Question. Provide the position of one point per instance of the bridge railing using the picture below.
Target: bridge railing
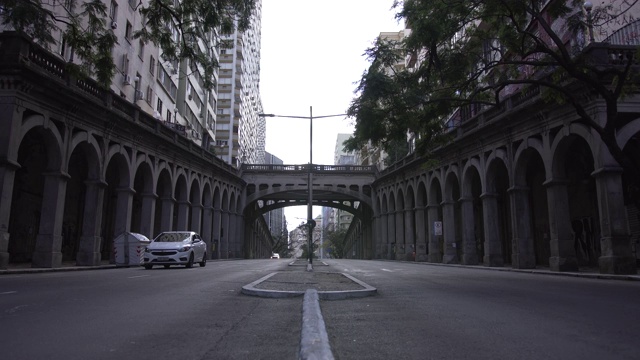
(365, 169)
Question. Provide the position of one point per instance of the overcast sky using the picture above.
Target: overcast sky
(312, 56)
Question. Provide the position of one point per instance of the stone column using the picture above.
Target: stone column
(383, 237)
(450, 255)
(47, 251)
(217, 226)
(409, 234)
(492, 242)
(615, 242)
(239, 236)
(207, 229)
(435, 251)
(148, 215)
(231, 239)
(421, 235)
(90, 239)
(391, 236)
(224, 235)
(196, 218)
(124, 204)
(183, 215)
(166, 214)
(469, 250)
(400, 245)
(563, 253)
(523, 254)
(7, 176)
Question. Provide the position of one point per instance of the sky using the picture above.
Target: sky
(312, 56)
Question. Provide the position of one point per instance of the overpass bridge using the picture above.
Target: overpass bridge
(274, 186)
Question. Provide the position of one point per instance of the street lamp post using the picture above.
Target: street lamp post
(310, 222)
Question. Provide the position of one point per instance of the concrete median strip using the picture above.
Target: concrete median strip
(329, 285)
(314, 341)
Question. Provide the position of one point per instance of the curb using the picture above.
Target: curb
(314, 341)
(367, 290)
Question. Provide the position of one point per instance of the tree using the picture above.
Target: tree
(335, 242)
(85, 28)
(473, 53)
(281, 243)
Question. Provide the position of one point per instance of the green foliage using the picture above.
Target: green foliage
(334, 243)
(85, 28)
(474, 53)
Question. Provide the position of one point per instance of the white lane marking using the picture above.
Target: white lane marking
(8, 292)
(137, 276)
(387, 270)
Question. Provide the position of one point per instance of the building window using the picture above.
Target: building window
(113, 11)
(141, 50)
(159, 106)
(152, 65)
(128, 32)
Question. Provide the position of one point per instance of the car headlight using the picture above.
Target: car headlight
(147, 250)
(184, 248)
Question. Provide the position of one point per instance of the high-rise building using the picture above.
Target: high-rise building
(275, 218)
(340, 219)
(240, 131)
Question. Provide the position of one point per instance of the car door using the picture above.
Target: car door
(198, 246)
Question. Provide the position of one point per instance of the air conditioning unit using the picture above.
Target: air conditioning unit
(139, 95)
(114, 25)
(127, 79)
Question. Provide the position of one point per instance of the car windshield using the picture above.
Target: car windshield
(172, 237)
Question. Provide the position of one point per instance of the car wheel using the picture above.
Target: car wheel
(167, 266)
(148, 266)
(190, 262)
(204, 260)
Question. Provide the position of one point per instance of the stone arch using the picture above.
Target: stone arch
(451, 217)
(530, 206)
(434, 215)
(497, 211)
(144, 198)
(472, 213)
(181, 194)
(573, 204)
(38, 154)
(117, 200)
(163, 220)
(84, 169)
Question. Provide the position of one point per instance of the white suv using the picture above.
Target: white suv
(176, 248)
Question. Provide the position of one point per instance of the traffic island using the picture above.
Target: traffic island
(329, 285)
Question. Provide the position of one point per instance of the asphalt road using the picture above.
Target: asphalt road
(421, 312)
(440, 312)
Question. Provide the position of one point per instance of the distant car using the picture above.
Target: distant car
(176, 248)
(275, 256)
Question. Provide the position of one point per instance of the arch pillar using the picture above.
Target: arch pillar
(7, 178)
(224, 235)
(400, 240)
(183, 215)
(391, 241)
(469, 251)
(49, 240)
(492, 243)
(450, 255)
(90, 239)
(239, 236)
(421, 234)
(523, 253)
(217, 234)
(435, 251)
(207, 229)
(409, 234)
(196, 218)
(148, 214)
(166, 214)
(615, 242)
(563, 254)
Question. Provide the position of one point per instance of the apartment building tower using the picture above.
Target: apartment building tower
(240, 131)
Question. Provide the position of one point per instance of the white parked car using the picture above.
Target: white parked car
(176, 248)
